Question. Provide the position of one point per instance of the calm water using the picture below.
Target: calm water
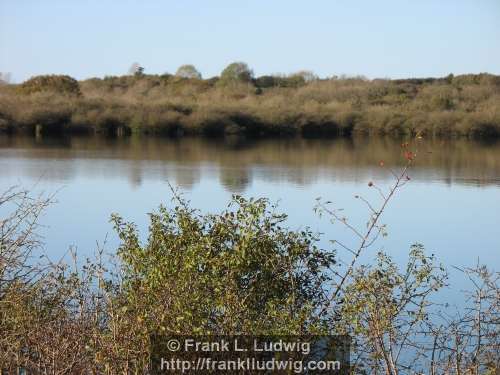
(451, 205)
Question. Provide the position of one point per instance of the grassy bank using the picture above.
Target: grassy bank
(467, 105)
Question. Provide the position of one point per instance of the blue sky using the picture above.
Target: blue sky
(384, 38)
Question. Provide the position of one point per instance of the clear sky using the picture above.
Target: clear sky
(375, 38)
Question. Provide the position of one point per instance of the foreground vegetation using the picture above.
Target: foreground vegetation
(237, 102)
(240, 271)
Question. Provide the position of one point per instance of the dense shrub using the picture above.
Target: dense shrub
(61, 84)
(265, 82)
(267, 105)
(238, 271)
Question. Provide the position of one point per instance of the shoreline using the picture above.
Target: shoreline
(125, 131)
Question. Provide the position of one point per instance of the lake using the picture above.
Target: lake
(451, 204)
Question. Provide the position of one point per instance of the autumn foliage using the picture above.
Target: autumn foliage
(237, 102)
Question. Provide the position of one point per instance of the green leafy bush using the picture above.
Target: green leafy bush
(234, 272)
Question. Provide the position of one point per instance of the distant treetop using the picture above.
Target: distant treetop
(307, 75)
(4, 78)
(136, 69)
(237, 72)
(188, 71)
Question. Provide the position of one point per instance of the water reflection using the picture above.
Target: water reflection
(236, 162)
(451, 206)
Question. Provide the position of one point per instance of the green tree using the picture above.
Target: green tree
(188, 71)
(236, 72)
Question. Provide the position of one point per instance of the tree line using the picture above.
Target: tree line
(238, 102)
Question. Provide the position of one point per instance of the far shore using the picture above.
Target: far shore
(268, 106)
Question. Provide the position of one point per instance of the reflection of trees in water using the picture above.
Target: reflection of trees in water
(182, 176)
(135, 174)
(235, 180)
(298, 176)
(188, 176)
(300, 161)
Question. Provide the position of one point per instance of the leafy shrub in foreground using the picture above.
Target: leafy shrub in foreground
(237, 271)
